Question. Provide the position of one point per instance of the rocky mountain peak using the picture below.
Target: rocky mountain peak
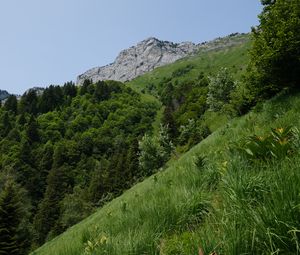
(147, 55)
(137, 60)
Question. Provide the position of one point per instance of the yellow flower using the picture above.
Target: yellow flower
(224, 164)
(280, 130)
(260, 138)
(103, 240)
(283, 141)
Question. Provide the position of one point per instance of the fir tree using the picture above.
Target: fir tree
(32, 130)
(11, 104)
(6, 125)
(9, 220)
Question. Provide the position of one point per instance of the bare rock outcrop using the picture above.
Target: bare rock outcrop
(149, 54)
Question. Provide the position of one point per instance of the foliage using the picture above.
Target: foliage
(55, 139)
(155, 151)
(253, 207)
(199, 161)
(275, 53)
(182, 70)
(11, 104)
(74, 208)
(281, 142)
(14, 227)
(219, 90)
(193, 133)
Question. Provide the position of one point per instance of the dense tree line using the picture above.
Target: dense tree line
(67, 151)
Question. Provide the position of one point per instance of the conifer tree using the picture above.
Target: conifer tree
(49, 210)
(9, 220)
(11, 104)
(32, 130)
(6, 125)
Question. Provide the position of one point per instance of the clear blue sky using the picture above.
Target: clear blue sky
(45, 42)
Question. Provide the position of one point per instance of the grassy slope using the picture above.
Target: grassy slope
(137, 222)
(234, 58)
(155, 215)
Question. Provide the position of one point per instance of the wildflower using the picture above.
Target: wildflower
(280, 130)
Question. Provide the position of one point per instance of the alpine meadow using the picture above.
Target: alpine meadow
(172, 149)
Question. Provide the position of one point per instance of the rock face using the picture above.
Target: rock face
(149, 54)
(137, 60)
(3, 94)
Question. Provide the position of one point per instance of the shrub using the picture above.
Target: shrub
(193, 133)
(155, 151)
(220, 88)
(182, 70)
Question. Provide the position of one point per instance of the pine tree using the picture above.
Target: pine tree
(168, 120)
(32, 130)
(28, 102)
(11, 104)
(22, 120)
(46, 219)
(9, 220)
(84, 87)
(6, 125)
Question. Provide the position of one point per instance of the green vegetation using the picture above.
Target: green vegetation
(224, 203)
(189, 97)
(71, 150)
(235, 190)
(275, 52)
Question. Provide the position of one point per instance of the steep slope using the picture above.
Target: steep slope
(162, 214)
(150, 54)
(233, 56)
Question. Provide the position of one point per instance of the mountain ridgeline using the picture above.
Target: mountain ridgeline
(150, 54)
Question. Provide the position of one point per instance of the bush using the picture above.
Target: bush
(154, 151)
(182, 70)
(220, 88)
(193, 133)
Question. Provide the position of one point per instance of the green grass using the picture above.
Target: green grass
(230, 205)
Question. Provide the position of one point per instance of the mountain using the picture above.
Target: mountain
(152, 53)
(3, 94)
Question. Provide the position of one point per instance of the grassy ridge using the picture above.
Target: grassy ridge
(149, 217)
